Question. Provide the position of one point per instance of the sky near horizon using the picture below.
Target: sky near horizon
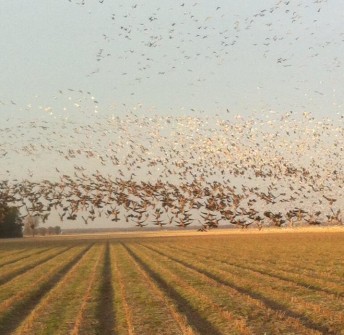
(173, 56)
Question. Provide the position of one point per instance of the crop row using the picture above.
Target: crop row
(316, 309)
(220, 308)
(19, 295)
(168, 286)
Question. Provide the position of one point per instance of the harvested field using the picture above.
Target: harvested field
(253, 283)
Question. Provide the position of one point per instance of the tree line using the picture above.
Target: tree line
(11, 224)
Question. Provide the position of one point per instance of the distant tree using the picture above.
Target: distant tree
(10, 223)
(42, 231)
(26, 229)
(54, 230)
(31, 224)
(57, 230)
(51, 230)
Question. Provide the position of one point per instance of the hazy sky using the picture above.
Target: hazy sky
(173, 55)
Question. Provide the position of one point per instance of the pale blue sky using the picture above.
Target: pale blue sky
(208, 55)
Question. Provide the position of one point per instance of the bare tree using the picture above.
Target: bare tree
(31, 223)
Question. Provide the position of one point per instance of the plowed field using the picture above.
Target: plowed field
(289, 283)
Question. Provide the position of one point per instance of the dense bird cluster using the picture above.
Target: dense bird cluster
(264, 169)
(161, 170)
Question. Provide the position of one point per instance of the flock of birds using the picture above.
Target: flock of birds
(260, 170)
(145, 47)
(78, 161)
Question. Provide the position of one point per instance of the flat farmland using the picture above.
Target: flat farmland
(263, 283)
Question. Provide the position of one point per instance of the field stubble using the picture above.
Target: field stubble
(207, 284)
